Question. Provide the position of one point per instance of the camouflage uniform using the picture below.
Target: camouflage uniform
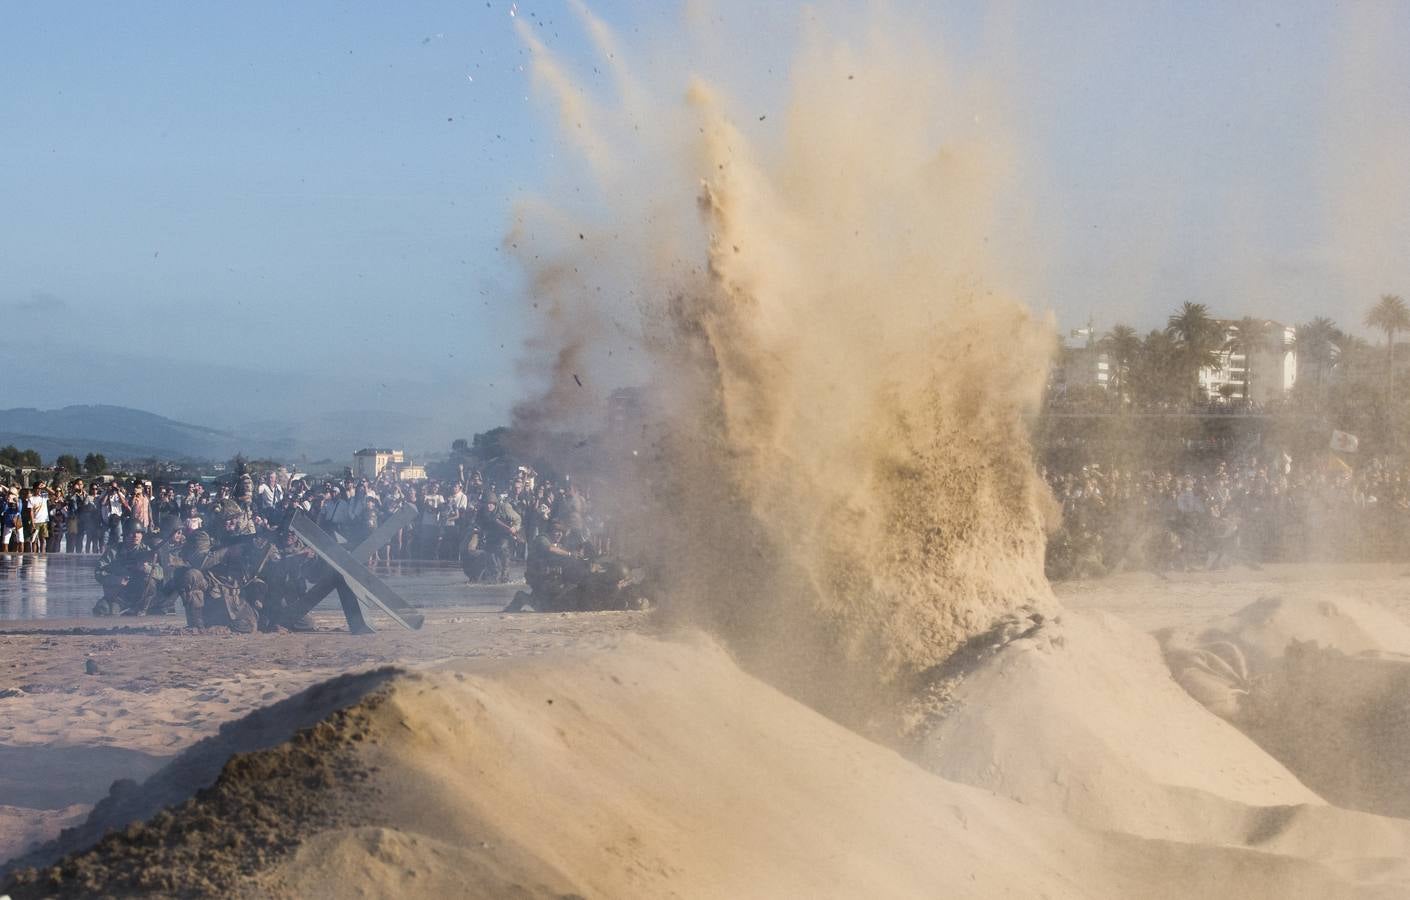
(215, 586)
(130, 576)
(498, 529)
(476, 563)
(287, 578)
(551, 574)
(169, 557)
(237, 517)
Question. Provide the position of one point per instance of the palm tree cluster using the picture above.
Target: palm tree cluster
(1164, 366)
(1390, 315)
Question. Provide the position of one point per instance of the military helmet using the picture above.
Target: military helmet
(201, 541)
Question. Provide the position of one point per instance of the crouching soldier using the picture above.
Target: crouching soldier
(287, 577)
(498, 524)
(562, 581)
(169, 557)
(476, 562)
(214, 587)
(550, 571)
(130, 575)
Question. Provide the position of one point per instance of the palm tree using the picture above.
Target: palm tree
(1389, 315)
(1122, 346)
(1156, 373)
(1198, 338)
(1248, 336)
(1318, 344)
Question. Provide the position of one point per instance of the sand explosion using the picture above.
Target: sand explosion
(840, 485)
(837, 482)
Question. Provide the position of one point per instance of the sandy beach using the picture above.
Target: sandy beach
(67, 735)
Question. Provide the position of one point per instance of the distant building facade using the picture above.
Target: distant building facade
(1268, 373)
(1078, 371)
(372, 462)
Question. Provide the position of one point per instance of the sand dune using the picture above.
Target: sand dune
(1084, 719)
(661, 769)
(1321, 684)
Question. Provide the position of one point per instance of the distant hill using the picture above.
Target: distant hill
(122, 433)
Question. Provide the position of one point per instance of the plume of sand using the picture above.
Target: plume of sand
(841, 485)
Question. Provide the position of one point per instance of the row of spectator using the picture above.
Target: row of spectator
(80, 517)
(1246, 512)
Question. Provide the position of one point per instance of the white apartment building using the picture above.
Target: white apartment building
(1273, 372)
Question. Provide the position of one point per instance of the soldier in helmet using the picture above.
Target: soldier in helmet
(561, 579)
(287, 579)
(237, 520)
(215, 586)
(476, 562)
(498, 524)
(170, 558)
(130, 575)
(551, 572)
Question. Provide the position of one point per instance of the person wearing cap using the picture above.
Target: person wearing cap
(130, 575)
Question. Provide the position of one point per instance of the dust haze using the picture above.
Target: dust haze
(858, 680)
(840, 483)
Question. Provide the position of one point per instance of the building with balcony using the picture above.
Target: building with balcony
(1266, 374)
(371, 462)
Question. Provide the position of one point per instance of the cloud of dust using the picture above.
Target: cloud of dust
(1363, 164)
(840, 483)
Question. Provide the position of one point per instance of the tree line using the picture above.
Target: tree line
(1164, 365)
(15, 458)
(1343, 381)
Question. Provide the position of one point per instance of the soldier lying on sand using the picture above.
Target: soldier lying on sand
(562, 581)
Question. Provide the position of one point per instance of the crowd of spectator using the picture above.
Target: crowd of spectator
(77, 516)
(1245, 512)
(1102, 403)
(1229, 513)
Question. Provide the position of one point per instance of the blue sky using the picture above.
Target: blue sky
(226, 212)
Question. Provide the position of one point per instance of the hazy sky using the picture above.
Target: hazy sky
(225, 212)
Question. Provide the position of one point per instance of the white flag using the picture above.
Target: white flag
(1343, 442)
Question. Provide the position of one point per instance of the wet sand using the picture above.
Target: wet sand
(66, 735)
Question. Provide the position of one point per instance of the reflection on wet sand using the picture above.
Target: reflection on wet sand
(62, 586)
